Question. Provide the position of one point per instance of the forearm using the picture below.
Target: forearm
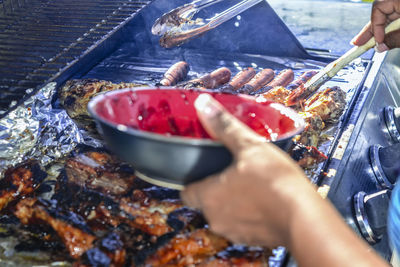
(319, 236)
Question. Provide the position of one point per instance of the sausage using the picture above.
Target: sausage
(282, 79)
(302, 79)
(211, 80)
(239, 80)
(257, 82)
(175, 74)
(216, 78)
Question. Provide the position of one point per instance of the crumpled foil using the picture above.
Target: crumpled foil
(36, 130)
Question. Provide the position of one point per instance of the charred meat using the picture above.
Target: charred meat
(75, 95)
(307, 156)
(71, 229)
(188, 249)
(100, 171)
(329, 104)
(20, 181)
(238, 256)
(311, 135)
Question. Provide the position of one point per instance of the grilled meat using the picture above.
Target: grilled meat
(311, 136)
(70, 227)
(150, 218)
(211, 80)
(239, 80)
(102, 182)
(257, 82)
(307, 156)
(20, 181)
(329, 104)
(302, 79)
(175, 74)
(282, 79)
(100, 171)
(238, 256)
(277, 94)
(188, 249)
(75, 95)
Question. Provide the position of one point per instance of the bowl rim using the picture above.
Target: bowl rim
(173, 138)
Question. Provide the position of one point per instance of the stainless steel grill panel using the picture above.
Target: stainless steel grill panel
(39, 38)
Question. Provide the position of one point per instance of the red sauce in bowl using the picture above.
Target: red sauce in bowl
(172, 112)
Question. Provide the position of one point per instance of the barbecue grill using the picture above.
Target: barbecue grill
(44, 41)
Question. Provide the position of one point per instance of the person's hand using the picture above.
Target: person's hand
(383, 12)
(250, 201)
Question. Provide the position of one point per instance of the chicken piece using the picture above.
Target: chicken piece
(70, 228)
(101, 182)
(239, 256)
(100, 171)
(311, 134)
(188, 249)
(329, 104)
(151, 218)
(307, 156)
(19, 182)
(75, 95)
(277, 94)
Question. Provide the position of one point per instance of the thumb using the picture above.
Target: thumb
(223, 126)
(392, 39)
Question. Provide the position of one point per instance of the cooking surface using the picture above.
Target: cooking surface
(41, 41)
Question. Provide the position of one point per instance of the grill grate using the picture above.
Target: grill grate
(40, 38)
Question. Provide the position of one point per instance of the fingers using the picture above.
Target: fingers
(392, 39)
(363, 36)
(383, 12)
(223, 126)
(379, 13)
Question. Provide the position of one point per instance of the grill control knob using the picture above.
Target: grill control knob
(392, 120)
(385, 162)
(371, 214)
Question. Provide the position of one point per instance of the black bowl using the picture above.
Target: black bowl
(158, 132)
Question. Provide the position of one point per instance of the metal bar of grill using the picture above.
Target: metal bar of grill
(41, 38)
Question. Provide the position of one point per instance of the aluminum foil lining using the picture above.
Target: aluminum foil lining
(35, 130)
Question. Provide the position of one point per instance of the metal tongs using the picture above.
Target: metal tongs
(177, 26)
(334, 67)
